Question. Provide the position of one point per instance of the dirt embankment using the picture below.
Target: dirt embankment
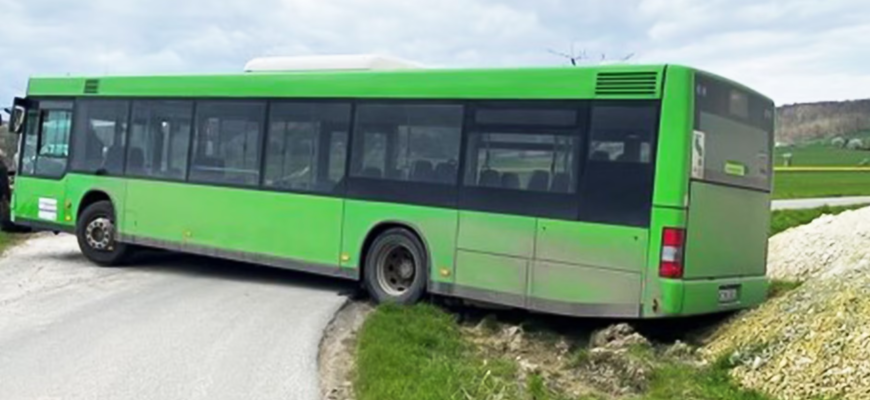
(814, 342)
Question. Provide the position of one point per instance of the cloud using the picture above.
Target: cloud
(793, 50)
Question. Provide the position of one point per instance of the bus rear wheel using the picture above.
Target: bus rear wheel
(395, 268)
(96, 234)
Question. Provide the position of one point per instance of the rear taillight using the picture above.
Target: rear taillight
(673, 243)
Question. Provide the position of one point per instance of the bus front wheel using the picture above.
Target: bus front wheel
(97, 236)
(395, 268)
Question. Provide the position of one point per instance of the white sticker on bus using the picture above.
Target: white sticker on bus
(698, 151)
(48, 209)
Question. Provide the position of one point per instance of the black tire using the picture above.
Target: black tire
(6, 224)
(6, 215)
(5, 194)
(102, 248)
(388, 282)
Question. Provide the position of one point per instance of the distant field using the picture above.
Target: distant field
(821, 155)
(796, 185)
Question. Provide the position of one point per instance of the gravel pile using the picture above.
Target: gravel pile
(829, 245)
(813, 342)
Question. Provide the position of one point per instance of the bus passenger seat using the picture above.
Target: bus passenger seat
(136, 161)
(540, 181)
(445, 172)
(371, 172)
(561, 183)
(510, 180)
(490, 178)
(210, 168)
(600, 156)
(114, 160)
(423, 171)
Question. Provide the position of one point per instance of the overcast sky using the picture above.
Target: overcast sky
(792, 50)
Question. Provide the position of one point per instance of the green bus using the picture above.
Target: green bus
(627, 191)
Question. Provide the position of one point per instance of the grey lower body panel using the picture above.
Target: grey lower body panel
(537, 304)
(253, 258)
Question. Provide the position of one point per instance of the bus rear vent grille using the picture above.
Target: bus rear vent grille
(92, 86)
(626, 83)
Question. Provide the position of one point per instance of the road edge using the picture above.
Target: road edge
(336, 350)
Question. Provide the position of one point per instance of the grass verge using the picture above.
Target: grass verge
(420, 352)
(799, 185)
(785, 219)
(7, 240)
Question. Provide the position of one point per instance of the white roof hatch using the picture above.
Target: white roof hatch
(363, 62)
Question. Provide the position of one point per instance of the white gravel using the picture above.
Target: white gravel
(814, 341)
(830, 245)
(168, 327)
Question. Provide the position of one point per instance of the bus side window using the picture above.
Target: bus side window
(618, 181)
(159, 139)
(407, 142)
(54, 143)
(226, 145)
(46, 139)
(528, 162)
(306, 146)
(99, 136)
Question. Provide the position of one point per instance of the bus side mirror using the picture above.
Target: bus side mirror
(7, 111)
(18, 113)
(16, 120)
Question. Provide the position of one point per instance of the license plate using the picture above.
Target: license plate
(729, 294)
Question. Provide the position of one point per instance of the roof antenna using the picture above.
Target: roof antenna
(573, 57)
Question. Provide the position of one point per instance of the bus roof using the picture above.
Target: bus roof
(620, 81)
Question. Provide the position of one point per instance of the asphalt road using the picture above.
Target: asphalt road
(801, 204)
(168, 327)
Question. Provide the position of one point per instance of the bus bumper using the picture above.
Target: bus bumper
(695, 297)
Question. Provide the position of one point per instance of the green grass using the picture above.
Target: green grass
(816, 155)
(580, 357)
(680, 381)
(796, 185)
(418, 353)
(7, 240)
(779, 287)
(784, 219)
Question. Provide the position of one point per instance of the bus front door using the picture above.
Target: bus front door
(39, 195)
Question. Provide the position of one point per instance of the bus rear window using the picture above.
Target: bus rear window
(733, 135)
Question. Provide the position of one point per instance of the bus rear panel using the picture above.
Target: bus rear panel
(716, 260)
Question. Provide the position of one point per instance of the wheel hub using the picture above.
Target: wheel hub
(406, 270)
(100, 233)
(396, 270)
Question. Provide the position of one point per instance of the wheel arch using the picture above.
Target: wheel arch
(383, 226)
(91, 197)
